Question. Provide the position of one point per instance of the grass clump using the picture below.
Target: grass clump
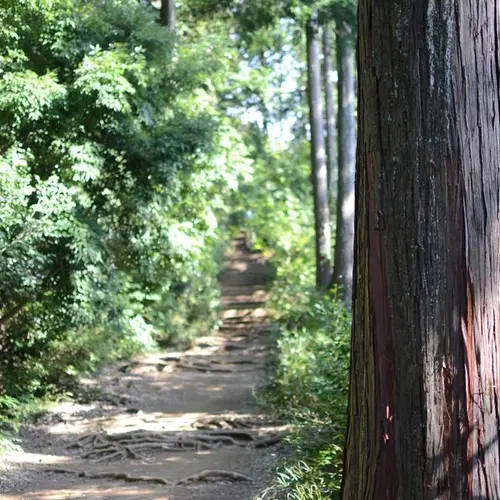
(309, 389)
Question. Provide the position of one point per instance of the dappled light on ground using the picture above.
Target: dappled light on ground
(20, 457)
(86, 491)
(180, 425)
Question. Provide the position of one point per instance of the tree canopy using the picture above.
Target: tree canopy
(132, 148)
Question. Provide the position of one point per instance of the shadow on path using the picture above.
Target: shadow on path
(170, 425)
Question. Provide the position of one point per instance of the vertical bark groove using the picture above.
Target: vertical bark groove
(427, 275)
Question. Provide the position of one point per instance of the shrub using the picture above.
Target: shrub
(112, 175)
(309, 389)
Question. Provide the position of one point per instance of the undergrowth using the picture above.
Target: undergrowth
(309, 390)
(309, 383)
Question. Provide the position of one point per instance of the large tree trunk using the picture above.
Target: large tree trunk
(318, 160)
(167, 14)
(344, 233)
(424, 414)
(331, 126)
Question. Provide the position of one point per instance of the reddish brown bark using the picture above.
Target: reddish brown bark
(424, 413)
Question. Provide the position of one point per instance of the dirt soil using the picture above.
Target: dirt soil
(168, 425)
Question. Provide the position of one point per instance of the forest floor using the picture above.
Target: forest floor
(167, 425)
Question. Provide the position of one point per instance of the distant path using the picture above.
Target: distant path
(166, 418)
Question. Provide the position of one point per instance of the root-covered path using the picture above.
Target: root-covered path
(180, 426)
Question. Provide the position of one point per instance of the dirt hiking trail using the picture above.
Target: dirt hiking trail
(169, 425)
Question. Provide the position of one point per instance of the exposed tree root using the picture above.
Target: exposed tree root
(217, 366)
(203, 367)
(100, 450)
(206, 475)
(112, 475)
(227, 423)
(234, 346)
(127, 366)
(171, 358)
(105, 447)
(94, 440)
(205, 345)
(264, 443)
(214, 476)
(243, 361)
(234, 361)
(233, 434)
(174, 446)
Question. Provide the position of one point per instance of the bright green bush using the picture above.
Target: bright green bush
(309, 379)
(309, 389)
(274, 205)
(112, 178)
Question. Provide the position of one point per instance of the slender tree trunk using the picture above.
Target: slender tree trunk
(318, 160)
(424, 412)
(167, 14)
(344, 234)
(331, 127)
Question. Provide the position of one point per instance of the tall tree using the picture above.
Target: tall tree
(318, 160)
(344, 233)
(168, 15)
(424, 405)
(331, 126)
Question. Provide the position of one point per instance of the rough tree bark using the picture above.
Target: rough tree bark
(344, 232)
(424, 413)
(168, 15)
(331, 126)
(318, 159)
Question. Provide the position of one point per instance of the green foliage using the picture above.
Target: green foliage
(113, 176)
(298, 481)
(310, 389)
(309, 385)
(254, 15)
(123, 150)
(274, 205)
